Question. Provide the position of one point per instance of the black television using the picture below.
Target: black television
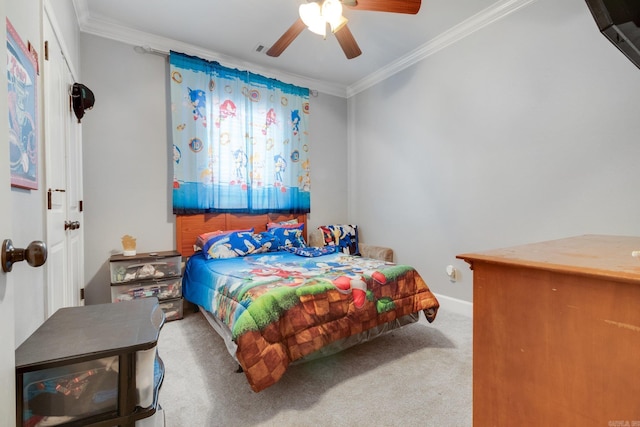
(619, 21)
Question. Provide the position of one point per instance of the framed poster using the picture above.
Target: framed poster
(23, 133)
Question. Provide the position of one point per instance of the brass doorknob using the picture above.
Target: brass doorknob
(35, 254)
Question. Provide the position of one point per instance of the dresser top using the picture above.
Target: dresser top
(592, 255)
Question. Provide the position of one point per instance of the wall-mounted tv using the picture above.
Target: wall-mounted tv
(619, 21)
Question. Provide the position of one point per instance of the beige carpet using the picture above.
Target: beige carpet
(420, 375)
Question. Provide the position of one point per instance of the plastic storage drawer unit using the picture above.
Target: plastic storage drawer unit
(146, 266)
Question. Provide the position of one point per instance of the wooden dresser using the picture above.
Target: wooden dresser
(556, 333)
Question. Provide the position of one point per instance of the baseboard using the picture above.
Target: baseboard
(455, 305)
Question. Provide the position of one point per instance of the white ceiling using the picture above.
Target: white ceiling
(230, 30)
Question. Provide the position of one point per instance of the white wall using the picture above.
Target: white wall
(127, 157)
(329, 166)
(525, 131)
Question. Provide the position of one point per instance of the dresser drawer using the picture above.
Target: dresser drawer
(153, 265)
(172, 309)
(161, 289)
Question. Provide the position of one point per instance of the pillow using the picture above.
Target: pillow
(287, 235)
(203, 238)
(267, 241)
(345, 236)
(311, 252)
(284, 224)
(230, 245)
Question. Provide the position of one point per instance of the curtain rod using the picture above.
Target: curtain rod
(149, 50)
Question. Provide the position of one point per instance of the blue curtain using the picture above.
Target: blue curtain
(240, 140)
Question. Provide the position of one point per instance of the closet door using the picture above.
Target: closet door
(63, 166)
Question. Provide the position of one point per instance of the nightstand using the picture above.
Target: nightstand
(152, 274)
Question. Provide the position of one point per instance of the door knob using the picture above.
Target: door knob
(35, 254)
(71, 225)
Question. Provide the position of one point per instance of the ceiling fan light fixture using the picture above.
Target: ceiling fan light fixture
(337, 26)
(332, 10)
(319, 27)
(310, 13)
(316, 14)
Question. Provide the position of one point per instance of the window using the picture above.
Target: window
(240, 140)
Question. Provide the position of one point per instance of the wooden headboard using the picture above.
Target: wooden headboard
(188, 227)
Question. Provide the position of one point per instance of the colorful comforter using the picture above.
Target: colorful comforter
(281, 307)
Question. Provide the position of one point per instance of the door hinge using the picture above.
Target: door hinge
(80, 206)
(49, 191)
(81, 294)
(46, 50)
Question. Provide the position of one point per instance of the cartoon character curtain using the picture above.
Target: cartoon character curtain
(240, 140)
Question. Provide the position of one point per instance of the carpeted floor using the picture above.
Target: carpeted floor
(419, 375)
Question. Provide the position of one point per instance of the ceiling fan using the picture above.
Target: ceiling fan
(317, 14)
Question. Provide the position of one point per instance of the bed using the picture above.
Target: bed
(279, 307)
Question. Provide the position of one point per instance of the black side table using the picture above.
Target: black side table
(94, 365)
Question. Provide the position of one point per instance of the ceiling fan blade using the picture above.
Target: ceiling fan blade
(285, 40)
(348, 42)
(395, 6)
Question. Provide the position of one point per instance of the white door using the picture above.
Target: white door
(63, 166)
(7, 321)
(75, 216)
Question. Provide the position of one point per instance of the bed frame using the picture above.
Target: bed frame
(188, 227)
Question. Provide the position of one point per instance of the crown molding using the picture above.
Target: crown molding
(496, 11)
(104, 28)
(82, 11)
